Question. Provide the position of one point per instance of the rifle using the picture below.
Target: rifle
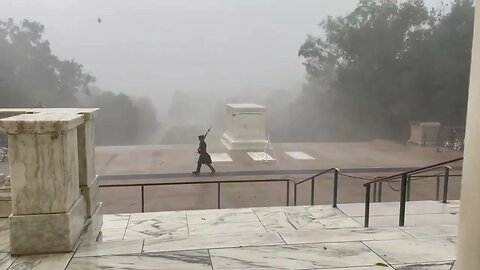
(206, 133)
(204, 137)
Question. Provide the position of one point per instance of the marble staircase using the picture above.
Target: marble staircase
(297, 237)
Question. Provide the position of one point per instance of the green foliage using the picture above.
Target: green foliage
(30, 74)
(385, 64)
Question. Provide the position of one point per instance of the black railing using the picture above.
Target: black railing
(405, 190)
(406, 178)
(218, 182)
(312, 186)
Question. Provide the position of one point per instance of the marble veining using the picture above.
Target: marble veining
(426, 266)
(214, 218)
(116, 221)
(408, 251)
(441, 230)
(212, 241)
(157, 227)
(113, 234)
(196, 259)
(41, 262)
(7, 261)
(110, 248)
(308, 256)
(342, 235)
(44, 172)
(226, 228)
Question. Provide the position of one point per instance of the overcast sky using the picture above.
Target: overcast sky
(157, 46)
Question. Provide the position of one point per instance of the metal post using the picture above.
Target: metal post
(403, 197)
(295, 194)
(312, 195)
(288, 192)
(437, 191)
(375, 192)
(367, 205)
(143, 199)
(335, 188)
(409, 180)
(218, 195)
(445, 184)
(380, 191)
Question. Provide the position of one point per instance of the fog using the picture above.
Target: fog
(208, 52)
(152, 48)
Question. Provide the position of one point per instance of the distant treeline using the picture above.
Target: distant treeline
(31, 76)
(378, 68)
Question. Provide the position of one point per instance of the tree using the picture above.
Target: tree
(31, 74)
(388, 63)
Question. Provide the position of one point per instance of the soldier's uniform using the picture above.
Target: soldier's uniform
(204, 157)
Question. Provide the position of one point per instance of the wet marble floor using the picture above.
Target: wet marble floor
(300, 237)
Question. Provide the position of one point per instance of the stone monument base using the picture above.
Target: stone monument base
(47, 233)
(90, 195)
(232, 144)
(94, 225)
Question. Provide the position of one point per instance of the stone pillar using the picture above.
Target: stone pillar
(88, 181)
(48, 211)
(469, 236)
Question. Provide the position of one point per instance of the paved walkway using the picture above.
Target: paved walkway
(301, 237)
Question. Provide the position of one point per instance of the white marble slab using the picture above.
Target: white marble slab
(220, 157)
(42, 262)
(309, 256)
(299, 155)
(408, 251)
(342, 235)
(117, 221)
(212, 241)
(411, 220)
(280, 219)
(113, 234)
(325, 211)
(195, 260)
(7, 261)
(156, 228)
(393, 208)
(213, 217)
(339, 223)
(260, 156)
(176, 216)
(426, 266)
(222, 211)
(226, 228)
(110, 248)
(442, 230)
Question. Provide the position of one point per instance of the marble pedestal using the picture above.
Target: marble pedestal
(424, 133)
(245, 127)
(47, 233)
(86, 152)
(90, 195)
(48, 212)
(94, 225)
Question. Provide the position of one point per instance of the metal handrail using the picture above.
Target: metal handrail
(218, 182)
(405, 187)
(423, 169)
(312, 187)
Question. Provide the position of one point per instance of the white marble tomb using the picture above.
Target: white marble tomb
(245, 127)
